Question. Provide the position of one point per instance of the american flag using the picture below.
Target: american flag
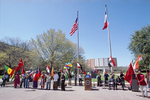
(74, 27)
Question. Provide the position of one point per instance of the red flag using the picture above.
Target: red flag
(19, 65)
(96, 70)
(74, 27)
(130, 72)
(37, 74)
(83, 71)
(23, 70)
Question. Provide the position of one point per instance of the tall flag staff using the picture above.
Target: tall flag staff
(106, 26)
(74, 28)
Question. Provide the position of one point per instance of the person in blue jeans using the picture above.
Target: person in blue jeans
(48, 83)
(27, 81)
(22, 81)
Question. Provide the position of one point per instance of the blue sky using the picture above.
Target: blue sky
(27, 18)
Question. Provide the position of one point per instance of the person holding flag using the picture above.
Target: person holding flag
(36, 77)
(17, 80)
(142, 83)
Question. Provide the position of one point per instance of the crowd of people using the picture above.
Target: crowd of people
(28, 80)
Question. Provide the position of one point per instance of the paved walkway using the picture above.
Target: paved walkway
(71, 93)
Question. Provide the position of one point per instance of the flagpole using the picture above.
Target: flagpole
(108, 36)
(77, 47)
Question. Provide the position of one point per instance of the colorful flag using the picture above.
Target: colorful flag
(19, 65)
(8, 70)
(138, 62)
(23, 71)
(129, 74)
(78, 65)
(52, 72)
(37, 74)
(47, 68)
(111, 62)
(12, 74)
(96, 71)
(74, 27)
(105, 21)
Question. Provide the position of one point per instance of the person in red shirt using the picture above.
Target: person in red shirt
(141, 82)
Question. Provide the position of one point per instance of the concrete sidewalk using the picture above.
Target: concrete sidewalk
(71, 93)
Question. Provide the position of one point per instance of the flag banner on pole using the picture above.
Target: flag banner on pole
(74, 27)
(96, 71)
(19, 65)
(47, 68)
(78, 65)
(23, 71)
(37, 74)
(8, 70)
(31, 71)
(12, 74)
(138, 62)
(105, 21)
(111, 62)
(52, 72)
(129, 74)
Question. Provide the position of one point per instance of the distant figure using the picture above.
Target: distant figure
(75, 78)
(43, 81)
(106, 77)
(35, 82)
(48, 82)
(4, 80)
(112, 75)
(63, 82)
(141, 81)
(99, 81)
(22, 81)
(122, 80)
(80, 80)
(55, 84)
(27, 80)
(17, 80)
(88, 75)
(147, 79)
(112, 82)
(58, 82)
(118, 82)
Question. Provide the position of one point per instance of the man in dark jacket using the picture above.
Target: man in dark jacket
(63, 82)
(118, 81)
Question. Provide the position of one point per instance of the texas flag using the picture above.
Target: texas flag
(111, 62)
(105, 21)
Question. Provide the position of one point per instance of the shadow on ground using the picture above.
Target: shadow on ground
(142, 96)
